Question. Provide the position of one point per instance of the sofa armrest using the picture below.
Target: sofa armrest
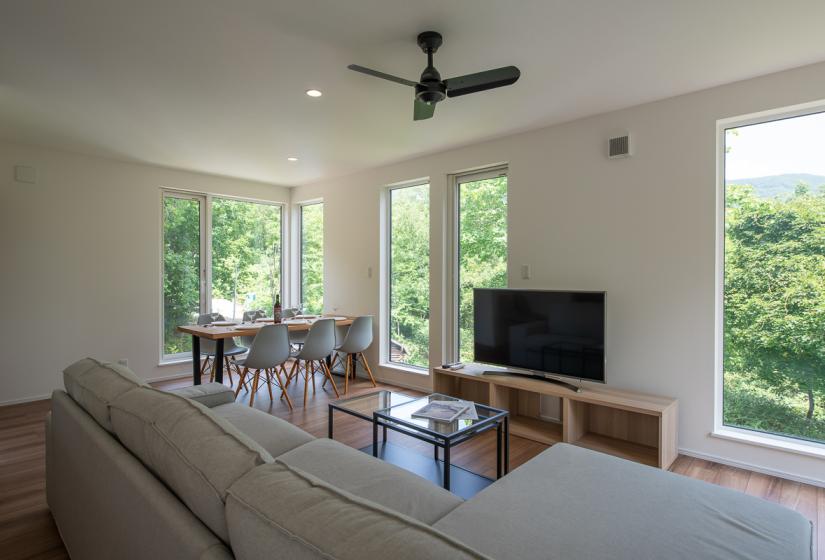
(209, 395)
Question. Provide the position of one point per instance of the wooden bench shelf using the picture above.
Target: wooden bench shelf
(635, 426)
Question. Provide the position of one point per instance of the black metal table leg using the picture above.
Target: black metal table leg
(329, 423)
(385, 433)
(219, 360)
(498, 449)
(374, 438)
(506, 445)
(435, 452)
(196, 360)
(447, 466)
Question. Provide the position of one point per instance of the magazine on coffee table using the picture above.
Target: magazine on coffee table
(441, 411)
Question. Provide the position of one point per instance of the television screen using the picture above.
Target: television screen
(560, 333)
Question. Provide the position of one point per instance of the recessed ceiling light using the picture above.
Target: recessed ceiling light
(314, 93)
(292, 159)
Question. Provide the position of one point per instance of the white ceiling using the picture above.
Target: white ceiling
(218, 85)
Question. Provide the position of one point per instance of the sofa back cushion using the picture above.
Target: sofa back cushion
(279, 510)
(196, 454)
(94, 385)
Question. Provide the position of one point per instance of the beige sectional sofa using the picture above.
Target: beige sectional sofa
(137, 473)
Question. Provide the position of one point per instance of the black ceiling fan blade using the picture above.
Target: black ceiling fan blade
(423, 110)
(382, 75)
(481, 81)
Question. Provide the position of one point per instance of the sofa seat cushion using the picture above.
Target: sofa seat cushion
(196, 454)
(279, 511)
(372, 479)
(209, 395)
(570, 502)
(273, 434)
(94, 385)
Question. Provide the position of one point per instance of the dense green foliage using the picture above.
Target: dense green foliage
(410, 273)
(181, 270)
(312, 258)
(775, 312)
(246, 261)
(482, 249)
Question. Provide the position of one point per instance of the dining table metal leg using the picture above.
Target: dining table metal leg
(219, 360)
(196, 360)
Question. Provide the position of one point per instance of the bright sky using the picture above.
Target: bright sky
(795, 145)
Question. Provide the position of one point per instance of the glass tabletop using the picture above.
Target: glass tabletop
(476, 414)
(365, 405)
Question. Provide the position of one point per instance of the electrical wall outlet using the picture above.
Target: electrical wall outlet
(525, 272)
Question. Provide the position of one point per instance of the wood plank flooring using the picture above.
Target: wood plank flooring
(27, 530)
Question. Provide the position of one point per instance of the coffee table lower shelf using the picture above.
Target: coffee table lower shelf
(463, 483)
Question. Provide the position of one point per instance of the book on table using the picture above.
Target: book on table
(441, 411)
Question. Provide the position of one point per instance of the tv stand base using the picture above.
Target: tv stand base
(574, 388)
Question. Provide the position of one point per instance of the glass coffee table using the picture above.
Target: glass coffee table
(393, 411)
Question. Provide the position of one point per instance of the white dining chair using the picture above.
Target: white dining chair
(269, 352)
(319, 344)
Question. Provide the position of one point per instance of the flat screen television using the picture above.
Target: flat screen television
(551, 332)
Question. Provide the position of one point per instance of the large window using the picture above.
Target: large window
(182, 272)
(409, 275)
(228, 268)
(312, 257)
(482, 246)
(774, 277)
(246, 256)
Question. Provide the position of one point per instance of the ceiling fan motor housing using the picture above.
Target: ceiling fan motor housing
(431, 92)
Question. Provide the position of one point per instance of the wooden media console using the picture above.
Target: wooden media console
(635, 426)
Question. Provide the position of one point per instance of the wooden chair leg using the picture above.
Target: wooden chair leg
(269, 385)
(254, 390)
(280, 384)
(306, 382)
(228, 369)
(292, 372)
(241, 377)
(367, 367)
(346, 373)
(286, 384)
(329, 376)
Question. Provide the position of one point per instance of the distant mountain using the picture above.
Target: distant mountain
(780, 185)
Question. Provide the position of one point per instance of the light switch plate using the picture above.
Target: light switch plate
(25, 174)
(525, 272)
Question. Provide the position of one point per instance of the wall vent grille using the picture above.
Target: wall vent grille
(618, 147)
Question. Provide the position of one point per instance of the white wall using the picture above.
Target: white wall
(643, 229)
(80, 267)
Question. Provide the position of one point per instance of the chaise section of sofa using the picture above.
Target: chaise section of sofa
(570, 502)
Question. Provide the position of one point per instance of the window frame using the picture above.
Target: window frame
(300, 248)
(385, 337)
(452, 231)
(205, 283)
(720, 430)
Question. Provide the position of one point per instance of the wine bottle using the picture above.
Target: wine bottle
(276, 314)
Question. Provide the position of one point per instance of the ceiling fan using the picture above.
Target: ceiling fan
(430, 89)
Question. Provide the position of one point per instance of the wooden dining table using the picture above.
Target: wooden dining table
(220, 333)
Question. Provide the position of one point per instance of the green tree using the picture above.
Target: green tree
(181, 270)
(482, 248)
(312, 257)
(410, 272)
(775, 293)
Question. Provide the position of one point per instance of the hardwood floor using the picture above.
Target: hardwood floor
(27, 530)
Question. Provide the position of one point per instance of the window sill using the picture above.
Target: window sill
(405, 368)
(781, 443)
(175, 361)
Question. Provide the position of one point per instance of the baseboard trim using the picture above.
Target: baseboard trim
(752, 467)
(26, 400)
(169, 377)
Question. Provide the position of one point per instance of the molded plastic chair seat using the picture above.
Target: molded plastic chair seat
(358, 339)
(320, 342)
(267, 355)
(209, 348)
